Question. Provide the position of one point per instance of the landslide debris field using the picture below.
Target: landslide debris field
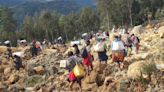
(43, 74)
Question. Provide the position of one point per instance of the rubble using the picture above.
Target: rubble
(43, 74)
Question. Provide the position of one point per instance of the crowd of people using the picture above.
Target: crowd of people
(119, 42)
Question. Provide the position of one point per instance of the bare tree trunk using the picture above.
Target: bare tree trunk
(107, 19)
(129, 4)
(47, 36)
(131, 20)
(52, 35)
(66, 35)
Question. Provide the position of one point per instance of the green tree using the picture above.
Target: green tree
(8, 25)
(89, 20)
(27, 28)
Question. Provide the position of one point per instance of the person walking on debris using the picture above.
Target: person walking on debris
(118, 51)
(34, 50)
(17, 62)
(9, 51)
(70, 64)
(44, 43)
(135, 41)
(127, 43)
(102, 53)
(87, 61)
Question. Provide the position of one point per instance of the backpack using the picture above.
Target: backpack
(84, 53)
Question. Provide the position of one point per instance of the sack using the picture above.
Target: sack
(7, 42)
(19, 54)
(84, 53)
(117, 46)
(99, 47)
(63, 63)
(75, 42)
(79, 71)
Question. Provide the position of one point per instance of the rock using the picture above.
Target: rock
(16, 88)
(52, 70)
(109, 87)
(7, 70)
(123, 84)
(39, 70)
(135, 69)
(29, 89)
(89, 87)
(162, 35)
(108, 80)
(141, 56)
(13, 78)
(49, 88)
(137, 29)
(91, 78)
(1, 69)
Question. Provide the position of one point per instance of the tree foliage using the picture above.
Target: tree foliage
(49, 25)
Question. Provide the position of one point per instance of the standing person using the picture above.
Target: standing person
(127, 43)
(155, 29)
(88, 46)
(9, 50)
(87, 61)
(9, 53)
(34, 50)
(17, 62)
(44, 43)
(118, 51)
(70, 64)
(135, 41)
(102, 54)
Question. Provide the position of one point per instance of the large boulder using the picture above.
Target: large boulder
(138, 29)
(135, 69)
(123, 84)
(140, 69)
(162, 35)
(39, 70)
(7, 70)
(13, 78)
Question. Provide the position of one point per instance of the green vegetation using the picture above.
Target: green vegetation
(47, 23)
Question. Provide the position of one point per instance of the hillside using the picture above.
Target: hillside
(21, 8)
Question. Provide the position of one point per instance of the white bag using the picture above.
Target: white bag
(117, 45)
(63, 63)
(19, 54)
(84, 34)
(75, 42)
(7, 42)
(160, 66)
